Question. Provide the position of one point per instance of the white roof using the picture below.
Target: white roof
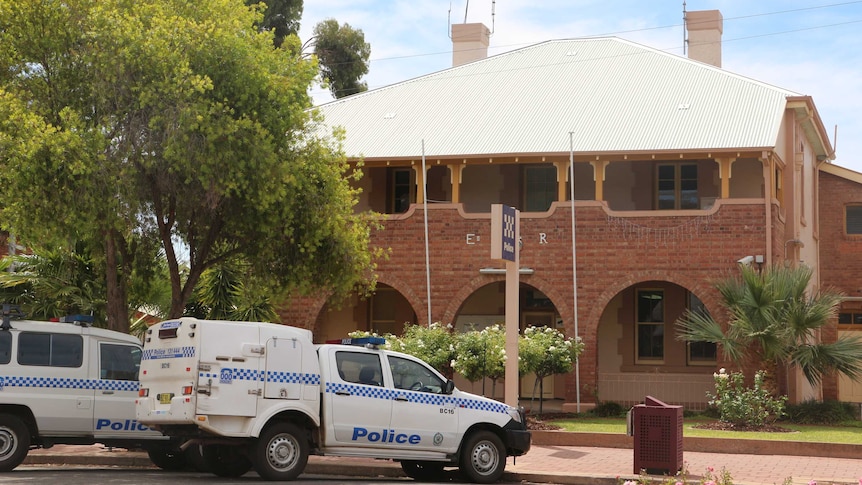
(614, 95)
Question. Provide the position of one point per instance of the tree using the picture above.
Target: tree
(772, 317)
(341, 50)
(343, 55)
(480, 354)
(546, 351)
(171, 121)
(435, 344)
(227, 291)
(281, 17)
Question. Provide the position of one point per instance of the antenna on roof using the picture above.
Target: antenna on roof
(465, 11)
(684, 28)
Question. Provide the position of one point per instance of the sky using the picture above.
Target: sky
(811, 47)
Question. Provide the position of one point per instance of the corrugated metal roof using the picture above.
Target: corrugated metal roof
(614, 95)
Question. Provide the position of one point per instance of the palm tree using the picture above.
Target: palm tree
(772, 317)
(229, 292)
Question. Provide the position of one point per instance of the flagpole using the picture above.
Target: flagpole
(574, 265)
(425, 212)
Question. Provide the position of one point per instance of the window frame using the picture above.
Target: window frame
(678, 182)
(847, 207)
(694, 304)
(639, 324)
(53, 352)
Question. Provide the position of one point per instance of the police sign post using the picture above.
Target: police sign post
(505, 246)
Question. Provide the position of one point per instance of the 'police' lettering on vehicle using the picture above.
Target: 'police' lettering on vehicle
(124, 425)
(387, 436)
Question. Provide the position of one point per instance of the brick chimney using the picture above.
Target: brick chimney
(704, 36)
(469, 43)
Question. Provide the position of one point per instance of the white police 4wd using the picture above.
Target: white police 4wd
(67, 383)
(264, 396)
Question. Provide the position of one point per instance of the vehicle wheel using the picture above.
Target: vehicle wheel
(167, 457)
(483, 457)
(281, 452)
(195, 459)
(226, 461)
(14, 442)
(423, 471)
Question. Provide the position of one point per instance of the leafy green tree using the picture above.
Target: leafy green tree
(281, 17)
(546, 351)
(54, 283)
(435, 344)
(480, 354)
(773, 317)
(228, 292)
(171, 121)
(343, 55)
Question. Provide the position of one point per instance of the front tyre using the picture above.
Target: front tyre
(14, 442)
(281, 452)
(483, 458)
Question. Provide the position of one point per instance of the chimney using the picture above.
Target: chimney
(704, 36)
(469, 43)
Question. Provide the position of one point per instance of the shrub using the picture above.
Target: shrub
(608, 409)
(820, 412)
(744, 406)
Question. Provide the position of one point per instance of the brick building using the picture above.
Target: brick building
(681, 169)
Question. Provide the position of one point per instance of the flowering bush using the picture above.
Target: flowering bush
(435, 344)
(682, 478)
(744, 406)
(481, 353)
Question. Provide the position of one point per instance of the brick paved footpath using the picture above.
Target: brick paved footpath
(577, 465)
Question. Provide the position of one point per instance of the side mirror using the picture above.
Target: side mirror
(449, 386)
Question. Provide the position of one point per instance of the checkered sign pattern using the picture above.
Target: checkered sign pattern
(509, 221)
(268, 376)
(67, 383)
(427, 398)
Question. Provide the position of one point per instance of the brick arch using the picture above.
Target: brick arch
(703, 290)
(417, 303)
(483, 280)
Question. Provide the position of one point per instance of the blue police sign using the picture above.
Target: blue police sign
(504, 232)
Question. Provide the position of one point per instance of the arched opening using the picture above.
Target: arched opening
(639, 354)
(385, 311)
(486, 307)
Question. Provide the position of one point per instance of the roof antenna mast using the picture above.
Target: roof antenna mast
(684, 28)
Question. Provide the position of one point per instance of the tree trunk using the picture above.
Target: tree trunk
(116, 305)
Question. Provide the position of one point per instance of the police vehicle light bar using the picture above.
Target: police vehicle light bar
(360, 341)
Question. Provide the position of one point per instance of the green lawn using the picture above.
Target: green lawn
(850, 432)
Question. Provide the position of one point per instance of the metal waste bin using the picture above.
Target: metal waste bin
(657, 431)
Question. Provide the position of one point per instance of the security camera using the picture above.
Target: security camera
(746, 261)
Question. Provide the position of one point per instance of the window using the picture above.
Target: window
(700, 353)
(650, 325)
(677, 187)
(411, 375)
(50, 349)
(359, 368)
(383, 305)
(540, 188)
(5, 347)
(119, 362)
(850, 320)
(401, 193)
(778, 185)
(853, 219)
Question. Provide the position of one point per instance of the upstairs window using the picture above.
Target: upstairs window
(540, 188)
(853, 219)
(401, 190)
(676, 187)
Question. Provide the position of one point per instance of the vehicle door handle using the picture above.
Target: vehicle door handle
(107, 392)
(342, 393)
(402, 398)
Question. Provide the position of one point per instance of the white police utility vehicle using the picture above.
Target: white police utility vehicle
(69, 383)
(263, 395)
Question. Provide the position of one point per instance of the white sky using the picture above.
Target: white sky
(813, 47)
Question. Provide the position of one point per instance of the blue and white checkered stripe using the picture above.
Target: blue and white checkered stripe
(171, 353)
(268, 376)
(66, 383)
(377, 392)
